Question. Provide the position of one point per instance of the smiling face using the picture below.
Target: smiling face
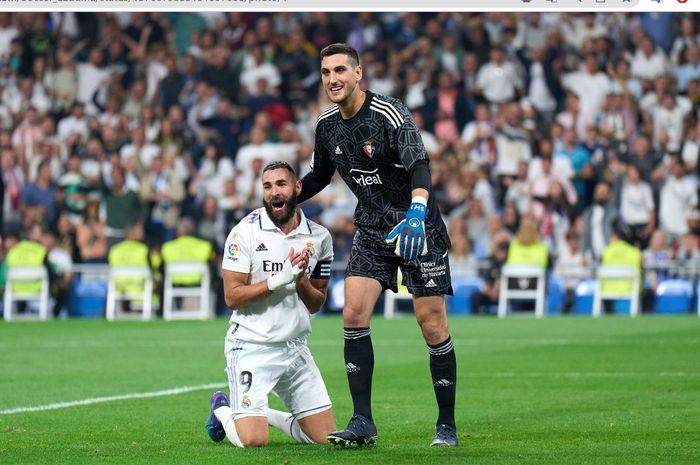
(280, 190)
(340, 75)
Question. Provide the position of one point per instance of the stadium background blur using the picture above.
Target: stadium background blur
(522, 114)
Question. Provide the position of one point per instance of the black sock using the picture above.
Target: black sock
(359, 365)
(443, 367)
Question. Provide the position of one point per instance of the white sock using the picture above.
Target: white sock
(289, 425)
(223, 413)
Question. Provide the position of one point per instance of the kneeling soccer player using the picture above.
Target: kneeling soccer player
(276, 268)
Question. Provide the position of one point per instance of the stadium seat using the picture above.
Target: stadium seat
(130, 283)
(583, 297)
(199, 291)
(522, 272)
(26, 276)
(87, 298)
(463, 288)
(616, 274)
(556, 295)
(673, 296)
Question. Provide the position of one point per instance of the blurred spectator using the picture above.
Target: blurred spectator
(637, 208)
(484, 300)
(599, 220)
(213, 172)
(649, 61)
(687, 37)
(657, 263)
(227, 126)
(91, 238)
(13, 185)
(463, 263)
(590, 85)
(211, 223)
(139, 151)
(162, 192)
(477, 137)
(123, 208)
(678, 198)
(40, 199)
(620, 252)
(572, 265)
(498, 79)
(446, 111)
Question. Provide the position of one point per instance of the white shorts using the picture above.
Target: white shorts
(286, 369)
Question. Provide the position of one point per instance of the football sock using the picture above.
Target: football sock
(288, 424)
(223, 413)
(359, 365)
(443, 368)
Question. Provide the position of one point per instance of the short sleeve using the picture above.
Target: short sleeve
(237, 252)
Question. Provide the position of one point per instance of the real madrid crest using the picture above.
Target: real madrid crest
(368, 148)
(245, 401)
(310, 249)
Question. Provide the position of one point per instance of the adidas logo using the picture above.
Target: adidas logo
(338, 151)
(350, 368)
(430, 283)
(443, 383)
(261, 248)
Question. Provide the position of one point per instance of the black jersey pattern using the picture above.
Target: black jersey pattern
(372, 152)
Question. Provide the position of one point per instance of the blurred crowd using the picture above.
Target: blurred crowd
(576, 121)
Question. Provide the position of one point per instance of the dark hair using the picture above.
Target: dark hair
(345, 49)
(279, 164)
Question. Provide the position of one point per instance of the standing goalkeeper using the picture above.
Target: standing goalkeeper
(373, 143)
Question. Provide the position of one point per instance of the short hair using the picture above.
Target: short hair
(280, 164)
(345, 49)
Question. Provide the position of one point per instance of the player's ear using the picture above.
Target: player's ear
(298, 187)
(358, 72)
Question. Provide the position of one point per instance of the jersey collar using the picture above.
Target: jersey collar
(267, 224)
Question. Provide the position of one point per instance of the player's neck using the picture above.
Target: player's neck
(352, 105)
(292, 224)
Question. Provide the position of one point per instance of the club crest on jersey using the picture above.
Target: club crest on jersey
(310, 249)
(368, 148)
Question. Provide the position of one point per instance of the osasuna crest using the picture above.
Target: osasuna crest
(368, 148)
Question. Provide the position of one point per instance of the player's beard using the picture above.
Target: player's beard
(290, 207)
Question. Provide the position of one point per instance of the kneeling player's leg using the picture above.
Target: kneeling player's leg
(303, 391)
(251, 376)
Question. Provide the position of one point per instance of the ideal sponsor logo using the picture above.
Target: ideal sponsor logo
(366, 178)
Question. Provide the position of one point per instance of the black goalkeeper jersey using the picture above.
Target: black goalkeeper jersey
(373, 152)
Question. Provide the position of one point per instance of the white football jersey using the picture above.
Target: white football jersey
(256, 246)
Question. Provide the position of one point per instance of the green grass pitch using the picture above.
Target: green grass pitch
(561, 390)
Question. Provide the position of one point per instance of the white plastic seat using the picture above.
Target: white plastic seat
(171, 292)
(522, 272)
(617, 273)
(25, 275)
(114, 295)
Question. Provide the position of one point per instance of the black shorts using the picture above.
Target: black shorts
(373, 258)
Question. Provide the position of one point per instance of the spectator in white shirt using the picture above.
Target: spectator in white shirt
(498, 79)
(649, 61)
(75, 123)
(678, 198)
(90, 75)
(590, 85)
(637, 207)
